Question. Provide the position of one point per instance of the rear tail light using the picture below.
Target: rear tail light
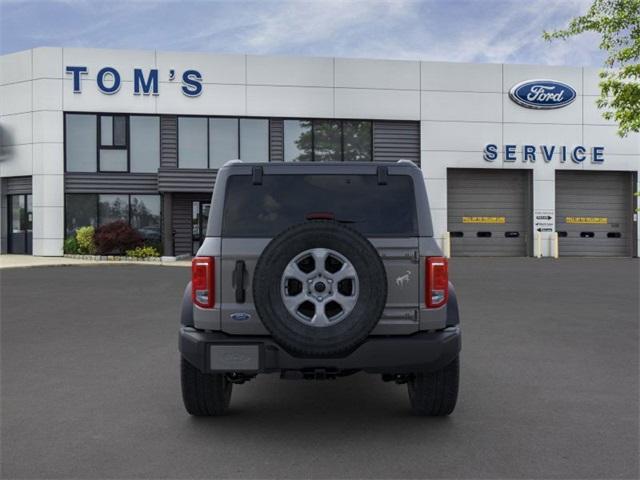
(437, 284)
(202, 282)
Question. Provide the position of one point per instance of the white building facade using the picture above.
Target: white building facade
(91, 136)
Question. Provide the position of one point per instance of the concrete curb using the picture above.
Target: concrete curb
(117, 258)
(27, 261)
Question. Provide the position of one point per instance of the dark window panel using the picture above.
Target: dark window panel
(17, 213)
(29, 216)
(192, 142)
(80, 142)
(113, 160)
(285, 200)
(112, 208)
(327, 141)
(297, 141)
(106, 130)
(145, 217)
(120, 131)
(144, 143)
(81, 210)
(223, 141)
(254, 140)
(357, 141)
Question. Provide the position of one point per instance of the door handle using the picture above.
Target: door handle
(238, 281)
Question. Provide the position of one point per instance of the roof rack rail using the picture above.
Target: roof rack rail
(405, 161)
(232, 162)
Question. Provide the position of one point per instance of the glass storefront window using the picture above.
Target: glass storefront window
(120, 131)
(112, 208)
(142, 212)
(113, 143)
(20, 223)
(106, 131)
(17, 213)
(327, 141)
(144, 143)
(81, 210)
(223, 141)
(80, 143)
(297, 141)
(145, 217)
(113, 131)
(29, 216)
(199, 218)
(192, 142)
(113, 160)
(254, 140)
(357, 141)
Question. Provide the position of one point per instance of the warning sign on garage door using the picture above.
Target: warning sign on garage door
(499, 220)
(587, 220)
(544, 220)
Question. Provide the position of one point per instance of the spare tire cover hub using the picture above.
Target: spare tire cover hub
(319, 287)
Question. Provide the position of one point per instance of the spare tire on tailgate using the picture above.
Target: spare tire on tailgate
(319, 288)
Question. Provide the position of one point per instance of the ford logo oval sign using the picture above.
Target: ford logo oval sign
(542, 94)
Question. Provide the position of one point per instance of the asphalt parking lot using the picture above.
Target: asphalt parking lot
(549, 386)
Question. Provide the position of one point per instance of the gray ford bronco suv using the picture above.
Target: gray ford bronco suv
(319, 270)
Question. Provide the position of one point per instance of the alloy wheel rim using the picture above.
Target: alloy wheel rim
(319, 287)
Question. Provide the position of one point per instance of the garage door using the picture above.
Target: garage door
(488, 212)
(594, 213)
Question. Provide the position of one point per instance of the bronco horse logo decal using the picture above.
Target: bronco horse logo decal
(402, 280)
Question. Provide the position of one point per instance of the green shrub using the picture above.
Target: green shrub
(143, 252)
(70, 245)
(86, 244)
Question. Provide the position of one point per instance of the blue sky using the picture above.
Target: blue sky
(455, 30)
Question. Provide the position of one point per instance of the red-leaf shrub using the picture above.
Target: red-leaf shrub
(116, 238)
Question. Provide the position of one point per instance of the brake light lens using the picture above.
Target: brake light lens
(202, 282)
(437, 284)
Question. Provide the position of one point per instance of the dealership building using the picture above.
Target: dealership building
(517, 159)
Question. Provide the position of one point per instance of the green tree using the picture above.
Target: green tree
(333, 140)
(618, 23)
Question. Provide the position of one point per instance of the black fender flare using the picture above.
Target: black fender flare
(453, 314)
(186, 309)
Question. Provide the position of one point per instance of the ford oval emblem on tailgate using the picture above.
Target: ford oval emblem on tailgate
(542, 94)
(240, 316)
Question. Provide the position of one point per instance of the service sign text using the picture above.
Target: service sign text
(544, 153)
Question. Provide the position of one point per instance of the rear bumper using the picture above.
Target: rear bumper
(219, 352)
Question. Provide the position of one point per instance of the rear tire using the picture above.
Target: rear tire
(434, 394)
(204, 394)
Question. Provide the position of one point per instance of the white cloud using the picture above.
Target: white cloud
(455, 30)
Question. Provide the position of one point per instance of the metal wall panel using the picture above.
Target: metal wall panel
(168, 141)
(18, 185)
(395, 140)
(276, 140)
(594, 211)
(489, 212)
(186, 180)
(110, 183)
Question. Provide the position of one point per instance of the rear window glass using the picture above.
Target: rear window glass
(285, 200)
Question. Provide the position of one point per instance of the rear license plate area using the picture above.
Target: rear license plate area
(234, 358)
